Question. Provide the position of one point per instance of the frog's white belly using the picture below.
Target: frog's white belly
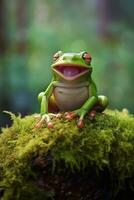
(69, 99)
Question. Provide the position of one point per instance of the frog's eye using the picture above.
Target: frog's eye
(87, 57)
(56, 55)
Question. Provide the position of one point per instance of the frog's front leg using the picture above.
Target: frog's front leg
(43, 98)
(84, 110)
(81, 112)
(45, 116)
(87, 106)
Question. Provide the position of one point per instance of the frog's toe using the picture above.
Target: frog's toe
(39, 124)
(48, 121)
(58, 115)
(50, 125)
(70, 115)
(80, 123)
(44, 119)
(92, 114)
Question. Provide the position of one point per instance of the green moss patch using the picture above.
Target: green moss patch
(28, 153)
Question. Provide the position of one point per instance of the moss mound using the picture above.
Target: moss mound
(43, 164)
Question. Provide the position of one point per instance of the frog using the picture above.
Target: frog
(72, 90)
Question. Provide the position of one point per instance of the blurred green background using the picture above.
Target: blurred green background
(32, 31)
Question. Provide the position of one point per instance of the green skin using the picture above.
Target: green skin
(71, 91)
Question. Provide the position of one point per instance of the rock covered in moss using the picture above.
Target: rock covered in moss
(67, 162)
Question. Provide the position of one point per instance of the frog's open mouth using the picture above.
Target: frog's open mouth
(70, 71)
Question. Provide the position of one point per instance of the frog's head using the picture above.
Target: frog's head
(70, 66)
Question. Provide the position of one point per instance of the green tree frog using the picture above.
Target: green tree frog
(71, 91)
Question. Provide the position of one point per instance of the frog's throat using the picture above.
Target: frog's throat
(71, 71)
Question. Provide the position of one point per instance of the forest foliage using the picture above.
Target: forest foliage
(32, 31)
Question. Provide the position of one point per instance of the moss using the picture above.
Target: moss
(107, 142)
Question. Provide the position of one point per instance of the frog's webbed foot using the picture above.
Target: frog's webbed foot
(76, 113)
(70, 115)
(46, 119)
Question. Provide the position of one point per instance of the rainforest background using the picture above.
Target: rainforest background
(32, 31)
